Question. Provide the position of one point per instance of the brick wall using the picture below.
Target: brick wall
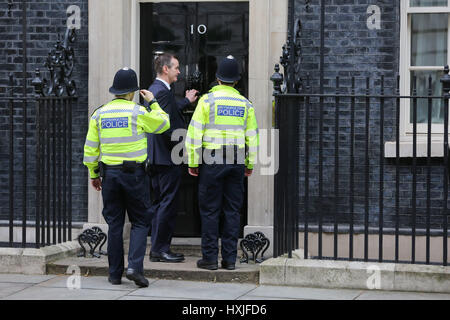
(46, 20)
(352, 50)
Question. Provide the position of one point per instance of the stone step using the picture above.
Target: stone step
(187, 270)
(186, 246)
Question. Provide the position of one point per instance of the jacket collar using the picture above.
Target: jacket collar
(226, 88)
(165, 83)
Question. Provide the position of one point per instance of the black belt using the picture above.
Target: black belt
(121, 166)
(126, 166)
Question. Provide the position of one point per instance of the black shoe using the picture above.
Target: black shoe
(179, 255)
(228, 265)
(164, 257)
(114, 281)
(137, 277)
(208, 265)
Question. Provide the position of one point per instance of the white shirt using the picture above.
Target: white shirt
(167, 84)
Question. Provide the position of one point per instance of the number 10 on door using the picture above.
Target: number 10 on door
(201, 29)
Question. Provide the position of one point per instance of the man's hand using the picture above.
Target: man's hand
(97, 184)
(193, 172)
(248, 172)
(147, 95)
(191, 95)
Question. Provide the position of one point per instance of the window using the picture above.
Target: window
(424, 51)
(425, 25)
(428, 36)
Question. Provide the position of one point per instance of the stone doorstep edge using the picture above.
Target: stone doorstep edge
(207, 276)
(34, 261)
(355, 275)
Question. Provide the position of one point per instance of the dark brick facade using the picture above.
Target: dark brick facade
(352, 50)
(46, 20)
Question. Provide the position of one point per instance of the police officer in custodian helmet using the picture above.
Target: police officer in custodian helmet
(223, 137)
(115, 153)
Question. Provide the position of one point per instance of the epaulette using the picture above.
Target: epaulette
(96, 110)
(203, 96)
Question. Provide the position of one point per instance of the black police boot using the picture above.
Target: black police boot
(114, 281)
(208, 265)
(137, 277)
(228, 265)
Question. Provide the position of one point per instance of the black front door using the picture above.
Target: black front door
(200, 35)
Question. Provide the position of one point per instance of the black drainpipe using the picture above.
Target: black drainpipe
(291, 66)
(24, 159)
(322, 43)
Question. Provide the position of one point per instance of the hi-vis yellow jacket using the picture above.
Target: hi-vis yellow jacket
(222, 117)
(117, 133)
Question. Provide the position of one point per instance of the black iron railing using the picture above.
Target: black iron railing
(335, 179)
(38, 185)
(37, 131)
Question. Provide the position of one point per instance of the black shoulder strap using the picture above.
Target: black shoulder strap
(96, 110)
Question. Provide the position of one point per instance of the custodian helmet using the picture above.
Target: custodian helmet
(228, 70)
(125, 81)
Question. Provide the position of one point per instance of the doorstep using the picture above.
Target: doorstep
(188, 246)
(187, 270)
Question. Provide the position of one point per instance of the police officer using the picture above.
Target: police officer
(116, 150)
(223, 138)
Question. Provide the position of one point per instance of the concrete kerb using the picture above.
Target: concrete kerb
(33, 261)
(355, 275)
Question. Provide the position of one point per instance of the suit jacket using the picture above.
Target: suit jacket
(160, 145)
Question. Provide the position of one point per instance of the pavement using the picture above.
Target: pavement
(65, 287)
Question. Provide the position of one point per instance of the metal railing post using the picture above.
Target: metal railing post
(445, 80)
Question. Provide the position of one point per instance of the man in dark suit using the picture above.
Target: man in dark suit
(166, 176)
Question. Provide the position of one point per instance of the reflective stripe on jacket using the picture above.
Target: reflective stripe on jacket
(222, 117)
(117, 133)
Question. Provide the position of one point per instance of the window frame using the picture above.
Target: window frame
(406, 128)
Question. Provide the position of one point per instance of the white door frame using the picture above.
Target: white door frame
(114, 33)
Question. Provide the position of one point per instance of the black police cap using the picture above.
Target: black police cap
(125, 81)
(228, 70)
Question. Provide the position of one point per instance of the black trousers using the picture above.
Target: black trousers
(221, 190)
(126, 192)
(166, 182)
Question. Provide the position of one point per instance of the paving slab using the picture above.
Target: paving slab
(395, 295)
(150, 298)
(42, 293)
(305, 293)
(99, 283)
(194, 290)
(7, 289)
(21, 278)
(257, 298)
